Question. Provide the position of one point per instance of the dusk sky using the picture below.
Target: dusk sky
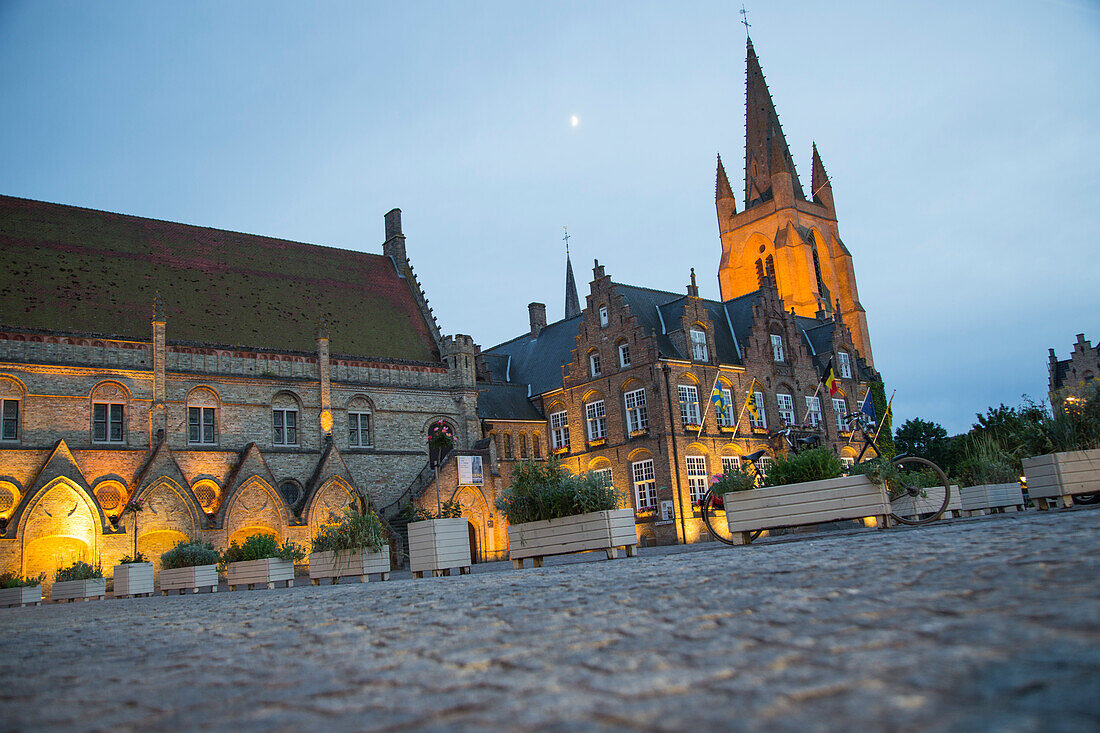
(962, 139)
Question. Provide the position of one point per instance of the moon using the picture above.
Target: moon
(574, 121)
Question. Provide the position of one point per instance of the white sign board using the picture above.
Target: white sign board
(469, 471)
(666, 511)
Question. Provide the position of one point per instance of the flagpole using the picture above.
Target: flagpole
(744, 404)
(885, 414)
(706, 409)
(807, 415)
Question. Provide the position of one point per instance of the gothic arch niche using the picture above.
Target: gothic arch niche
(111, 496)
(255, 509)
(165, 520)
(9, 499)
(333, 497)
(59, 528)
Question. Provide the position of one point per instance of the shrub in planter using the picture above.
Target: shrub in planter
(739, 479)
(133, 576)
(553, 512)
(351, 543)
(79, 580)
(438, 542)
(816, 464)
(261, 559)
(448, 510)
(546, 490)
(15, 590)
(189, 566)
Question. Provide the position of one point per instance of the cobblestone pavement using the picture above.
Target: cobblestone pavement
(989, 624)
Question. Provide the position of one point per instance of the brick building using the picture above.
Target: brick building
(623, 385)
(233, 383)
(1074, 376)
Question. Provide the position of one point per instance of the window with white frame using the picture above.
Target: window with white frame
(603, 475)
(594, 364)
(202, 428)
(285, 424)
(645, 486)
(845, 365)
(9, 423)
(697, 477)
(731, 464)
(636, 416)
(813, 410)
(847, 462)
(760, 420)
(786, 407)
(595, 420)
(689, 404)
(726, 416)
(108, 422)
(603, 316)
(624, 354)
(698, 344)
(359, 429)
(764, 464)
(840, 407)
(777, 347)
(559, 430)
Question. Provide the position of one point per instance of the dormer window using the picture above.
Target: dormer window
(603, 316)
(845, 365)
(698, 345)
(777, 347)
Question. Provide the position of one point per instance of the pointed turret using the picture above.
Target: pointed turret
(820, 186)
(766, 151)
(572, 303)
(723, 195)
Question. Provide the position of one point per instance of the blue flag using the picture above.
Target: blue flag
(868, 406)
(718, 399)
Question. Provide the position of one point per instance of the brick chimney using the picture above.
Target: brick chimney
(537, 312)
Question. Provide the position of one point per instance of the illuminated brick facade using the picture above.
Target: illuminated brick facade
(217, 441)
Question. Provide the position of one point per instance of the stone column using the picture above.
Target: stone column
(158, 419)
(325, 379)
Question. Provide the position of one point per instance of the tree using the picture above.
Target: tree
(922, 438)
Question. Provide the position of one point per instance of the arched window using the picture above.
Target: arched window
(284, 418)
(109, 413)
(202, 416)
(536, 444)
(11, 399)
(508, 446)
(523, 445)
(360, 423)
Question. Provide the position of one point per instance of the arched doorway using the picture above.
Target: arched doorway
(475, 547)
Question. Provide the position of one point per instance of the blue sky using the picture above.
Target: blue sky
(963, 140)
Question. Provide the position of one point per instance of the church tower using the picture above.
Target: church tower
(782, 234)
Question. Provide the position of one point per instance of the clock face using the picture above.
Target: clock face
(326, 421)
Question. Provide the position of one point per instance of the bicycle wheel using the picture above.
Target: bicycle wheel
(714, 516)
(919, 492)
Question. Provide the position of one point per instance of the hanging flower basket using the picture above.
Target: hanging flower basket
(440, 440)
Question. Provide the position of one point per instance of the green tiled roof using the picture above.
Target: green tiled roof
(63, 268)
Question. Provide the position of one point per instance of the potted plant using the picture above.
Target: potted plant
(988, 478)
(189, 565)
(133, 576)
(351, 543)
(1072, 465)
(439, 542)
(15, 590)
(79, 580)
(552, 512)
(805, 488)
(261, 559)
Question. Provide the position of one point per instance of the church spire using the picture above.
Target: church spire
(821, 188)
(723, 195)
(572, 303)
(766, 150)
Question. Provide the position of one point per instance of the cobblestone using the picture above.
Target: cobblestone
(971, 625)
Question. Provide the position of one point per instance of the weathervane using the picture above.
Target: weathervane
(566, 238)
(745, 18)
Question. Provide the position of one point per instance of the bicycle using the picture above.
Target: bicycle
(918, 489)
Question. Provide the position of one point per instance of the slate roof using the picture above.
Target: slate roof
(537, 361)
(65, 268)
(505, 402)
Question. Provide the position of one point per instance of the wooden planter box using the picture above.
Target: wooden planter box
(607, 530)
(904, 505)
(991, 498)
(811, 502)
(21, 596)
(189, 579)
(134, 579)
(355, 563)
(71, 590)
(268, 571)
(1062, 475)
(439, 545)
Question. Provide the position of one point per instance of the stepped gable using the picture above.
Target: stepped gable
(69, 269)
